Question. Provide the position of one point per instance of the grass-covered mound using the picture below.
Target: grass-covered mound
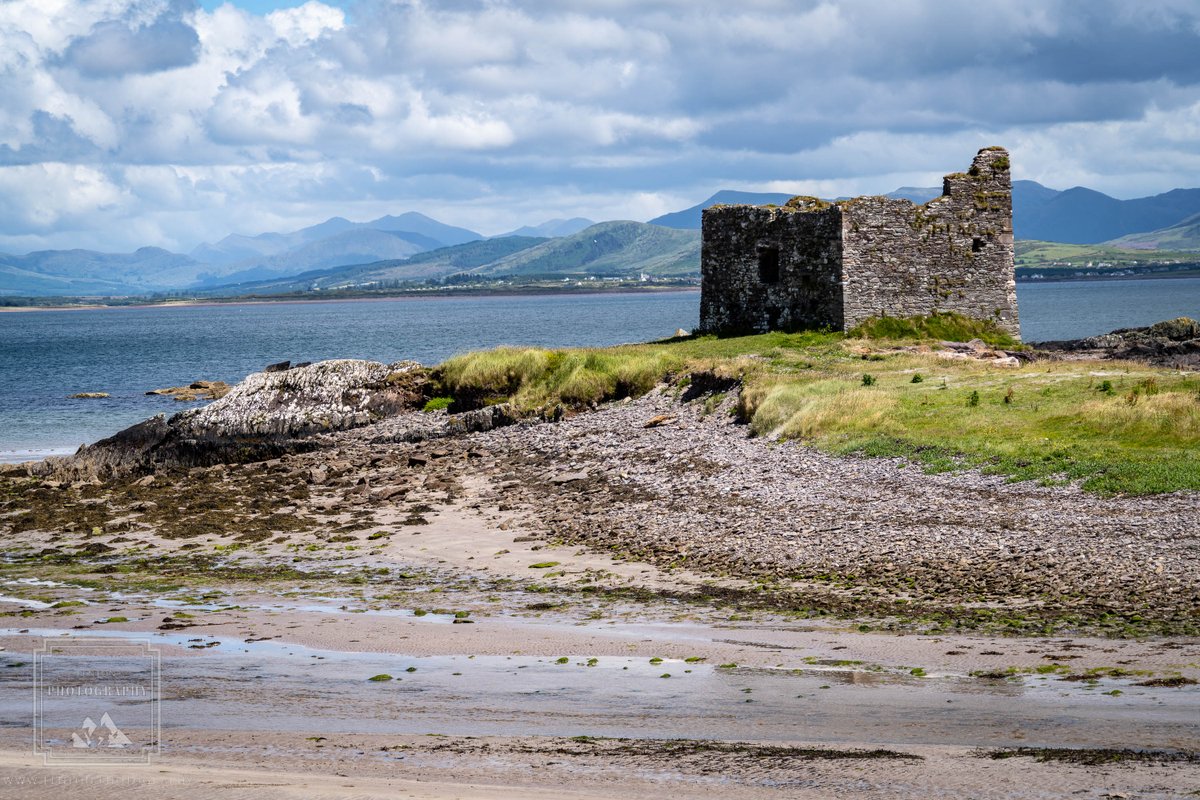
(888, 390)
(947, 326)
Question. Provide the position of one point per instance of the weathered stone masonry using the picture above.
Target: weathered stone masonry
(812, 264)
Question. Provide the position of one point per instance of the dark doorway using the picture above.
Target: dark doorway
(768, 264)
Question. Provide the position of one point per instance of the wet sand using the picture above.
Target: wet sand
(282, 705)
(520, 664)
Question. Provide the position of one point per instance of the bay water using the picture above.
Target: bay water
(46, 356)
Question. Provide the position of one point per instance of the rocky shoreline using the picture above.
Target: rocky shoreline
(670, 478)
(1171, 343)
(593, 595)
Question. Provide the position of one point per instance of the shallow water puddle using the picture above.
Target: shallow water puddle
(280, 686)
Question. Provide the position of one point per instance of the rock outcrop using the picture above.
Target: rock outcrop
(196, 390)
(266, 415)
(1172, 343)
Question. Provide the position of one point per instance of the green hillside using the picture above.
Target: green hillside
(1055, 259)
(434, 264)
(1183, 235)
(607, 249)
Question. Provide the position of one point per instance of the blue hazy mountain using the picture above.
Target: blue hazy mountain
(1075, 216)
(689, 218)
(87, 272)
(1085, 216)
(246, 250)
(1078, 216)
(551, 228)
(236, 258)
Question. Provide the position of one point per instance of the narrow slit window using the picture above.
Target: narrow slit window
(768, 265)
(977, 245)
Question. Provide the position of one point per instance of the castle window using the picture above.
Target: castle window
(977, 245)
(768, 265)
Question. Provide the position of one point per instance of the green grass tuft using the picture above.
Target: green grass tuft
(438, 403)
(1136, 431)
(945, 326)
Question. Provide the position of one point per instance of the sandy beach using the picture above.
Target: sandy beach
(488, 615)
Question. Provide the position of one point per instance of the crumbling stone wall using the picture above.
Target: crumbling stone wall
(801, 242)
(841, 263)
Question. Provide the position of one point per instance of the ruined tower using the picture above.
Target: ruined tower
(812, 264)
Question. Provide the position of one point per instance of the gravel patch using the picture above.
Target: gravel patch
(857, 534)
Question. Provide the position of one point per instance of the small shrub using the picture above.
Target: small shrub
(438, 403)
(973, 398)
(868, 380)
(1105, 387)
(917, 378)
(383, 676)
(1008, 396)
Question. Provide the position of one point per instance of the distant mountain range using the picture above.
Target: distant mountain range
(414, 247)
(607, 249)
(1074, 216)
(434, 264)
(551, 228)
(86, 272)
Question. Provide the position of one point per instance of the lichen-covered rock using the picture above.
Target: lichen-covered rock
(327, 396)
(1180, 329)
(1171, 343)
(196, 390)
(266, 415)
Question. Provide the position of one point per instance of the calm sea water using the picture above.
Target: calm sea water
(45, 356)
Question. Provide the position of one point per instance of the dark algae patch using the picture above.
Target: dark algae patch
(1095, 757)
(704, 755)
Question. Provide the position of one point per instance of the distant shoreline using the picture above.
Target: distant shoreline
(1098, 278)
(525, 291)
(292, 299)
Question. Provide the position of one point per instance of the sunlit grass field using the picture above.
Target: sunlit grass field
(889, 390)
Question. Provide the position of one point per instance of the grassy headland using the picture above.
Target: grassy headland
(1036, 260)
(890, 390)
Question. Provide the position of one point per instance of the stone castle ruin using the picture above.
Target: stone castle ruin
(814, 264)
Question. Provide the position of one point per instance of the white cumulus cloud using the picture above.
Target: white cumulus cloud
(127, 122)
(298, 26)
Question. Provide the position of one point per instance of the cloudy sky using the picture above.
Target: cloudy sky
(171, 122)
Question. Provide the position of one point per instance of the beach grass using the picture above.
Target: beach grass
(1114, 427)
